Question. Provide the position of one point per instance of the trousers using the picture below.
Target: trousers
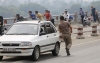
(68, 41)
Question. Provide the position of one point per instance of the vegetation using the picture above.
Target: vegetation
(8, 8)
(87, 8)
(10, 11)
(33, 7)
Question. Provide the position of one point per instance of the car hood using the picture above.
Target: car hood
(17, 37)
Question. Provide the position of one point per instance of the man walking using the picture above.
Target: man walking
(93, 10)
(66, 30)
(82, 16)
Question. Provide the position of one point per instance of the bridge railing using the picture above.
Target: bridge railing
(76, 18)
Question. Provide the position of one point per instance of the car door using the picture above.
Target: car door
(43, 39)
(52, 35)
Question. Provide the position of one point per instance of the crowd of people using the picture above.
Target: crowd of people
(86, 18)
(37, 16)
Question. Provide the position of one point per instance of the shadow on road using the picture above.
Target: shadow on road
(13, 59)
(43, 57)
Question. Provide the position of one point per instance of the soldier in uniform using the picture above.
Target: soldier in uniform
(66, 30)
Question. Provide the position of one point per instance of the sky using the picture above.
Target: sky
(53, 0)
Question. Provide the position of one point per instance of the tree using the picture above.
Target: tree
(9, 2)
(96, 4)
(32, 7)
(74, 7)
(10, 11)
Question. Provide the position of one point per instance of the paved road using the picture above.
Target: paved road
(82, 51)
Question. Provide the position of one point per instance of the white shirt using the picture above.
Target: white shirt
(66, 16)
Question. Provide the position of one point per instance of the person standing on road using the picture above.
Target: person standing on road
(86, 14)
(66, 16)
(66, 30)
(47, 15)
(32, 16)
(97, 16)
(39, 15)
(82, 16)
(93, 10)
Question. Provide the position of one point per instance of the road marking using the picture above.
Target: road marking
(83, 43)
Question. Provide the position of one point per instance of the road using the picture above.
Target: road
(83, 51)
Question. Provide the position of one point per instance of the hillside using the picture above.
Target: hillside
(10, 11)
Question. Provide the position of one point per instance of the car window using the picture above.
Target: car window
(49, 28)
(23, 29)
(42, 28)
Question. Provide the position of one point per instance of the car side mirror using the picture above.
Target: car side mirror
(42, 33)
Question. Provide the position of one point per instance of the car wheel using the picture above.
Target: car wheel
(36, 54)
(1, 57)
(55, 52)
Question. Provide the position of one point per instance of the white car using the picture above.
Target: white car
(30, 38)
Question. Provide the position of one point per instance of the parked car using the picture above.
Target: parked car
(30, 38)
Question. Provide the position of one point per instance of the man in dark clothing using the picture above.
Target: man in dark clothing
(82, 15)
(52, 19)
(19, 18)
(93, 13)
(66, 30)
(1, 24)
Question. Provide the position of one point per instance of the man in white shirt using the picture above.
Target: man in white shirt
(66, 16)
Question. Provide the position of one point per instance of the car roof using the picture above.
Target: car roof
(34, 21)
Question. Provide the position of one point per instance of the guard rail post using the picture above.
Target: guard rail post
(94, 30)
(80, 32)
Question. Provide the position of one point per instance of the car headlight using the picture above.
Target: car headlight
(26, 44)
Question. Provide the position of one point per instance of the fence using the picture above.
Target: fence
(56, 17)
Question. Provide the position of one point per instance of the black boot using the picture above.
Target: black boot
(67, 51)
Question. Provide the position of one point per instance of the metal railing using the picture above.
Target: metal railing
(76, 19)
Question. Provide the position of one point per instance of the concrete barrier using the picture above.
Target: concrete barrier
(80, 32)
(94, 30)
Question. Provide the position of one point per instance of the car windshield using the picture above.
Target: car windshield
(23, 29)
